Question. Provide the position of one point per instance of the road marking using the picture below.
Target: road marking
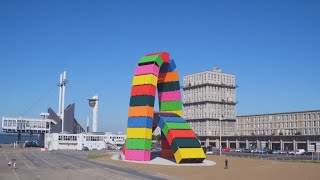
(16, 174)
(6, 155)
(71, 165)
(18, 156)
(27, 164)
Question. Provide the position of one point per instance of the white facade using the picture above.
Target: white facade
(209, 97)
(27, 125)
(290, 123)
(58, 141)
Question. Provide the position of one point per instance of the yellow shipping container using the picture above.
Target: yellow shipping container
(179, 112)
(139, 133)
(189, 153)
(145, 79)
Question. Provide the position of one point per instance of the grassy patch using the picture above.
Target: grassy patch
(303, 161)
(96, 156)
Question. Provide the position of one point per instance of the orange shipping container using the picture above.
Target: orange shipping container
(141, 111)
(168, 77)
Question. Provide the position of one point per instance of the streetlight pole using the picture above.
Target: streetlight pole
(220, 138)
(221, 117)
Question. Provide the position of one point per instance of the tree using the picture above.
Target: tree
(280, 133)
(156, 138)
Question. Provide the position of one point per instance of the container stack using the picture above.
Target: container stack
(169, 89)
(157, 72)
(181, 139)
(141, 110)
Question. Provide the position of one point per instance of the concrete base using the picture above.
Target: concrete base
(156, 160)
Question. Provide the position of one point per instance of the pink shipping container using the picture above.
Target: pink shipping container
(169, 96)
(138, 155)
(147, 69)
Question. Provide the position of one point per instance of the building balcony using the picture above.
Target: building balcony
(187, 87)
(212, 119)
(212, 102)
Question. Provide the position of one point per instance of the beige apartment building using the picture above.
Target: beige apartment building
(287, 124)
(209, 97)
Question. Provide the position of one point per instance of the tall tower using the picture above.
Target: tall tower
(94, 103)
(62, 91)
(88, 121)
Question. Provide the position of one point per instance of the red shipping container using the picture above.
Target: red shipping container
(124, 149)
(167, 153)
(143, 90)
(165, 144)
(164, 55)
(180, 134)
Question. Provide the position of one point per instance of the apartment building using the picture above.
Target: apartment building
(209, 97)
(287, 123)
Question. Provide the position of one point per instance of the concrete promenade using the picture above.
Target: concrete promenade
(32, 164)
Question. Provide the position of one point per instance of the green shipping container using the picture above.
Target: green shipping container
(184, 143)
(138, 144)
(174, 125)
(142, 101)
(151, 59)
(170, 106)
(168, 86)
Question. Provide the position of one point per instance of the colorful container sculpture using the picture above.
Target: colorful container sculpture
(157, 71)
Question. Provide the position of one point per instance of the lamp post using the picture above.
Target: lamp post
(220, 139)
(220, 146)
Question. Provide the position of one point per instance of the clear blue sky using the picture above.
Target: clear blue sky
(272, 46)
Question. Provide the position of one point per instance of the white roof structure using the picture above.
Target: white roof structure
(26, 125)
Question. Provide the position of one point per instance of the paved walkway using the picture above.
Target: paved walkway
(32, 164)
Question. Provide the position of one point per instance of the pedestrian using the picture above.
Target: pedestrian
(10, 164)
(226, 164)
(13, 165)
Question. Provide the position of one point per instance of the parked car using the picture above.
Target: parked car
(209, 152)
(238, 150)
(284, 152)
(300, 152)
(262, 151)
(226, 150)
(254, 150)
(246, 150)
(85, 149)
(31, 144)
(292, 152)
(276, 152)
(297, 152)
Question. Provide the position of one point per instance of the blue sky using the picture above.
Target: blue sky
(271, 46)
